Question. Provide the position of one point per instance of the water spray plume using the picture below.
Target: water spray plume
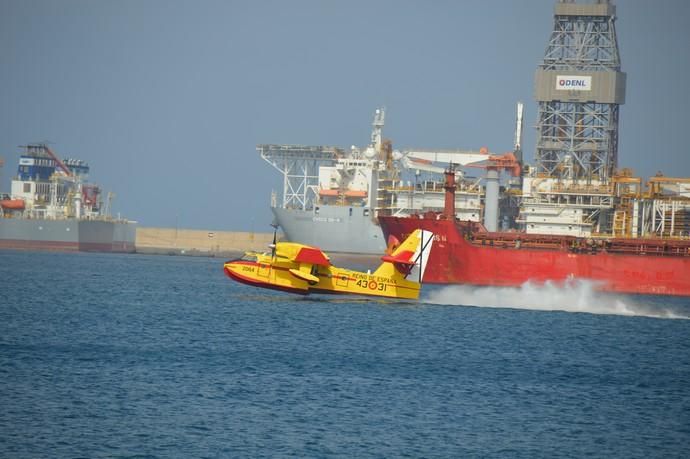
(570, 296)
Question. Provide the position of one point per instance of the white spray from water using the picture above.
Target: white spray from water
(571, 296)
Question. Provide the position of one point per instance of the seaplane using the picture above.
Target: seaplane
(302, 269)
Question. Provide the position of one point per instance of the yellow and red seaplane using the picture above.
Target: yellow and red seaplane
(302, 269)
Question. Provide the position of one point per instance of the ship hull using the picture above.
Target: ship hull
(454, 260)
(338, 229)
(68, 235)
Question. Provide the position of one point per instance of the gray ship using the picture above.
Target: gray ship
(330, 195)
(52, 207)
(332, 228)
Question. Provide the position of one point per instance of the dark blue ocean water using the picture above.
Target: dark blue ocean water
(132, 355)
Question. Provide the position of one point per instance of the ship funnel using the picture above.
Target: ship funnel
(491, 200)
(77, 202)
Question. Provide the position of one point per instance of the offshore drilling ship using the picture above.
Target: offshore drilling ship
(51, 206)
(580, 216)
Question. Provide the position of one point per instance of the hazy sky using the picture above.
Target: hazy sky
(167, 99)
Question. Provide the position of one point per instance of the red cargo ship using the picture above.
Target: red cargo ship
(465, 253)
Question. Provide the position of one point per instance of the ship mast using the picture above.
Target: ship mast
(379, 121)
(517, 143)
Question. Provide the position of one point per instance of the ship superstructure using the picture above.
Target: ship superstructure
(53, 188)
(51, 205)
(331, 196)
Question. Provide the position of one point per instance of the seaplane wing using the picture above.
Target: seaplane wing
(298, 268)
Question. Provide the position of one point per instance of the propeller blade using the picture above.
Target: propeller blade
(273, 244)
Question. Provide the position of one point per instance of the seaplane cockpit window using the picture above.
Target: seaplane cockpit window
(249, 257)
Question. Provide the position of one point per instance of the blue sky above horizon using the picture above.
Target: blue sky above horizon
(167, 99)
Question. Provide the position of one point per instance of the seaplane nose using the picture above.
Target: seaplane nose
(227, 267)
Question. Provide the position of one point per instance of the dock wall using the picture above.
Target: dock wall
(175, 241)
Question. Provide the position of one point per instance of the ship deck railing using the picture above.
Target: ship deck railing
(517, 241)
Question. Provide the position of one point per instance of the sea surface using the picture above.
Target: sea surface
(106, 355)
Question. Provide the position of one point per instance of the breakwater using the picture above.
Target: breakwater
(175, 241)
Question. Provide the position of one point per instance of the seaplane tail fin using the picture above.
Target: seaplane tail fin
(410, 257)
